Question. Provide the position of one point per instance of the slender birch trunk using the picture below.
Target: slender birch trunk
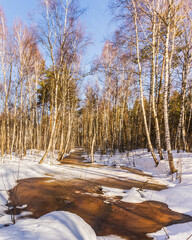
(141, 86)
(92, 147)
(14, 124)
(181, 125)
(190, 115)
(2, 136)
(153, 73)
(20, 143)
(53, 126)
(165, 98)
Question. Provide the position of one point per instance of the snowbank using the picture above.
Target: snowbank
(178, 195)
(55, 225)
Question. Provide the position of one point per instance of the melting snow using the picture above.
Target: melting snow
(64, 225)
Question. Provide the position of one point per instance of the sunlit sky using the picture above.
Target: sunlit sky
(96, 19)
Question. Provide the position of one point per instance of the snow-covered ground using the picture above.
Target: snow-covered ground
(178, 196)
(55, 225)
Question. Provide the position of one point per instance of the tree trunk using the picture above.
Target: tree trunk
(2, 136)
(165, 98)
(153, 73)
(141, 87)
(181, 126)
(14, 124)
(92, 148)
(53, 126)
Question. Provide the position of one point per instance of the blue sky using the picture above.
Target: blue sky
(96, 19)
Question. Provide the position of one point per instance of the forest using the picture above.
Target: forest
(98, 149)
(139, 93)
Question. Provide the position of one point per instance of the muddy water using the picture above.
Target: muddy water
(106, 216)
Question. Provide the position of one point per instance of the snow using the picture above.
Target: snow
(175, 232)
(178, 195)
(55, 225)
(111, 237)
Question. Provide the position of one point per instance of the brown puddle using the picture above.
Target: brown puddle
(85, 198)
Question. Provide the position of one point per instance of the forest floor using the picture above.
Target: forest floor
(112, 195)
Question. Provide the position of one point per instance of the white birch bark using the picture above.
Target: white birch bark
(165, 97)
(141, 85)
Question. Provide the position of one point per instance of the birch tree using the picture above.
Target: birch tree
(6, 62)
(166, 85)
(184, 52)
(60, 37)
